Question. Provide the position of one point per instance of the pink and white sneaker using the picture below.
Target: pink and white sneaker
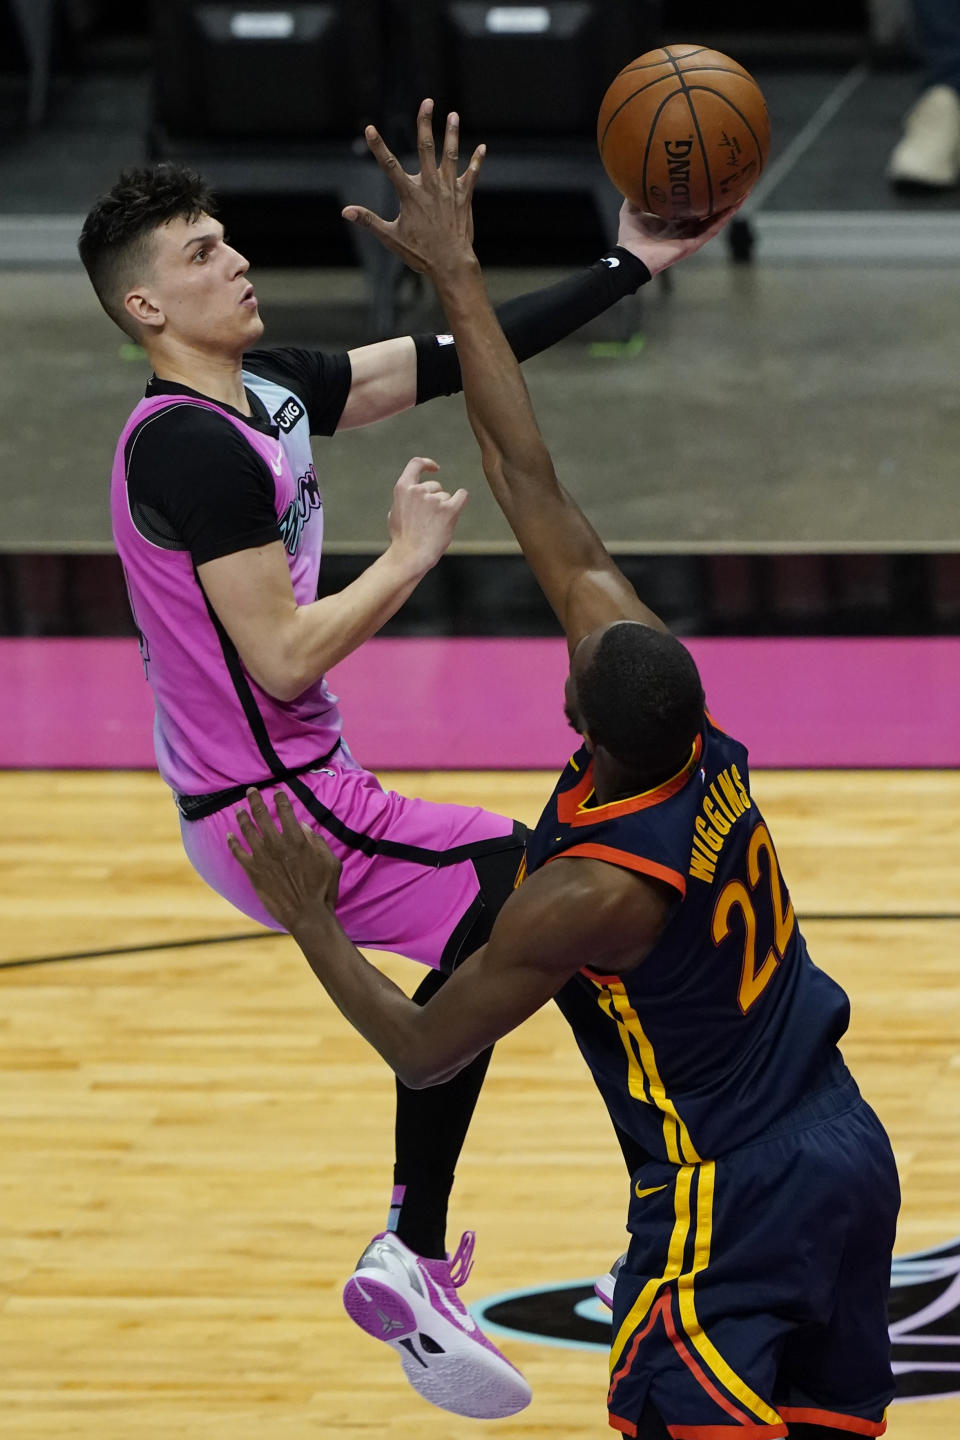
(412, 1304)
(603, 1287)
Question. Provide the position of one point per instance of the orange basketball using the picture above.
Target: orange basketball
(683, 132)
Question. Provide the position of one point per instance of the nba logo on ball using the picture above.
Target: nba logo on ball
(683, 132)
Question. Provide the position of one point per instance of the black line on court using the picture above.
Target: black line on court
(141, 949)
(834, 917)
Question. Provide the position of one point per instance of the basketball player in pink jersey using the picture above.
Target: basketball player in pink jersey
(218, 519)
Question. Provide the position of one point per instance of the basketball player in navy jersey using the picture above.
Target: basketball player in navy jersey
(752, 1299)
(218, 519)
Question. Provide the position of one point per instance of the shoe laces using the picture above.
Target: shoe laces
(462, 1262)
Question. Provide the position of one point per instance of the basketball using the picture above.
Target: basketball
(683, 132)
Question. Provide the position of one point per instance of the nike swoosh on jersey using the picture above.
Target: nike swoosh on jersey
(277, 465)
(651, 1190)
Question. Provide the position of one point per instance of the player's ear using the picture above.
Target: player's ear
(140, 305)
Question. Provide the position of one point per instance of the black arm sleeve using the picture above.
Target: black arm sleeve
(536, 321)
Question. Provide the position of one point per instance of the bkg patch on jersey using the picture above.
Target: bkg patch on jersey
(289, 413)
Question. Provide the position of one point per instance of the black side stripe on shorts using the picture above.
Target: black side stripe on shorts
(242, 687)
(417, 854)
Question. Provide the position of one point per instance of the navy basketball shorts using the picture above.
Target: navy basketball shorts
(754, 1293)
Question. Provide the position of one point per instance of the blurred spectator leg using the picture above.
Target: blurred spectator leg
(928, 155)
(35, 18)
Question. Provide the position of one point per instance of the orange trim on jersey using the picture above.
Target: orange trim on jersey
(627, 861)
(571, 803)
(727, 1432)
(744, 1430)
(617, 1422)
(714, 723)
(652, 1319)
(707, 1384)
(803, 1415)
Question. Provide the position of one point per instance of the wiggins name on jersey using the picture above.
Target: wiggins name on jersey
(727, 1024)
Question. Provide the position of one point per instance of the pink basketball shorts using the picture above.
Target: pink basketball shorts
(413, 871)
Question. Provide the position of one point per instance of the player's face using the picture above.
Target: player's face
(579, 661)
(570, 708)
(200, 286)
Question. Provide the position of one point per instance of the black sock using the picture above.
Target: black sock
(431, 1127)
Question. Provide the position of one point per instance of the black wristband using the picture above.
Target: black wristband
(534, 322)
(438, 369)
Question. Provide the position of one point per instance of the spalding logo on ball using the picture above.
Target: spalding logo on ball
(683, 132)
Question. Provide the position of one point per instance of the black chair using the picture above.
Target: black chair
(532, 73)
(528, 79)
(255, 69)
(271, 99)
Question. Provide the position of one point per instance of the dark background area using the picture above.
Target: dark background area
(833, 371)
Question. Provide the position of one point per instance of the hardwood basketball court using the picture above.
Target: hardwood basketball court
(195, 1146)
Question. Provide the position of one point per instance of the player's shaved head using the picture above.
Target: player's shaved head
(116, 243)
(638, 695)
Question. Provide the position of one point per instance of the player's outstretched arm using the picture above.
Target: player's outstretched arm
(433, 232)
(566, 910)
(391, 375)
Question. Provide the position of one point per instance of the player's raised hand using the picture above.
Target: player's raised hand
(435, 222)
(292, 870)
(423, 516)
(661, 243)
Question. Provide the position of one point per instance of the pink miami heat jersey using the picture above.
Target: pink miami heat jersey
(193, 480)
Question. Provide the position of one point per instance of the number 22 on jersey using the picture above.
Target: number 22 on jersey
(761, 907)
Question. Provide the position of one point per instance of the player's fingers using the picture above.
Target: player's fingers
(413, 469)
(261, 816)
(288, 821)
(430, 487)
(386, 159)
(469, 177)
(360, 215)
(237, 850)
(717, 222)
(457, 501)
(451, 147)
(248, 830)
(426, 145)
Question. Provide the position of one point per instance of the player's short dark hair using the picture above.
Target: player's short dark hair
(114, 243)
(641, 698)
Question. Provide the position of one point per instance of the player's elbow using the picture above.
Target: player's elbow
(418, 1071)
(282, 680)
(415, 1072)
(281, 667)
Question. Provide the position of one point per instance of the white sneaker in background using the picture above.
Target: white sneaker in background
(603, 1286)
(929, 153)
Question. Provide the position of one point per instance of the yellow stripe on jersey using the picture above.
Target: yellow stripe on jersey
(705, 1173)
(693, 1330)
(672, 1270)
(680, 1148)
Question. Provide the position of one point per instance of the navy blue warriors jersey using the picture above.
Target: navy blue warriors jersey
(727, 1023)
